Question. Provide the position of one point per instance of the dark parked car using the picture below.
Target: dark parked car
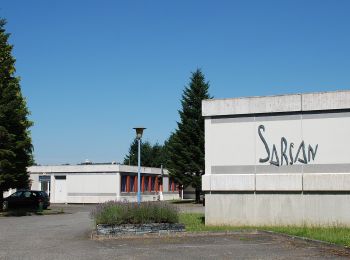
(26, 199)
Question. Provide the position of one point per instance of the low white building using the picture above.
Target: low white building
(96, 183)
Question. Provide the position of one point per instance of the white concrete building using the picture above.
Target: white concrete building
(278, 160)
(96, 183)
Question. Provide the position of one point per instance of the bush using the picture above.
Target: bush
(116, 213)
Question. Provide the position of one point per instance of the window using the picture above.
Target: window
(132, 182)
(27, 194)
(60, 177)
(171, 184)
(17, 194)
(146, 180)
(123, 183)
(153, 183)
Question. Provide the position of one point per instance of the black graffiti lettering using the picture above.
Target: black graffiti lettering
(261, 127)
(291, 146)
(274, 157)
(312, 152)
(274, 154)
(301, 148)
(284, 145)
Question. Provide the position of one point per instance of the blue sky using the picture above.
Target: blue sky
(92, 70)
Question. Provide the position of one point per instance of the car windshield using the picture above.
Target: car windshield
(16, 194)
(43, 193)
(27, 194)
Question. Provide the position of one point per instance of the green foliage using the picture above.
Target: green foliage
(116, 213)
(194, 222)
(151, 155)
(335, 234)
(185, 147)
(15, 142)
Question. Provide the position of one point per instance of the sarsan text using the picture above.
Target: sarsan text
(288, 154)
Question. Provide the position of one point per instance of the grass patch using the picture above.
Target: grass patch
(29, 212)
(195, 222)
(117, 213)
(50, 212)
(339, 235)
(336, 234)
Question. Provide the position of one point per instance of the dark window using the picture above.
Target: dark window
(146, 183)
(132, 180)
(43, 194)
(123, 188)
(17, 194)
(153, 183)
(44, 185)
(60, 177)
(27, 194)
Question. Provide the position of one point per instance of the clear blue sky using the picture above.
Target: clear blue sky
(92, 70)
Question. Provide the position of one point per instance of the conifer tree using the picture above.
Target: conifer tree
(15, 142)
(151, 155)
(185, 147)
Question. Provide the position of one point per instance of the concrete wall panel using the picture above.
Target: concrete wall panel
(229, 182)
(327, 182)
(251, 105)
(277, 209)
(280, 182)
(325, 100)
(231, 143)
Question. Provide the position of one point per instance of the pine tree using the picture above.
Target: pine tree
(185, 147)
(15, 142)
(151, 155)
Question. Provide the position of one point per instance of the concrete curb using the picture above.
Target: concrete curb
(94, 235)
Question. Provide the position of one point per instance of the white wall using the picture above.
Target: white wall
(233, 149)
(277, 209)
(242, 190)
(93, 187)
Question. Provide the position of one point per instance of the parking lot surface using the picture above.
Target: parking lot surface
(67, 236)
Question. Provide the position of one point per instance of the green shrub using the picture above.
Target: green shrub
(116, 213)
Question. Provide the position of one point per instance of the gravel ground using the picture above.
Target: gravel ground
(67, 236)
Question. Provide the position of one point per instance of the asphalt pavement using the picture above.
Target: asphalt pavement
(67, 236)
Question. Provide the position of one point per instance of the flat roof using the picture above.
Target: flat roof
(93, 168)
(316, 101)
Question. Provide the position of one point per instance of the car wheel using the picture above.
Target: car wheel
(5, 206)
(40, 206)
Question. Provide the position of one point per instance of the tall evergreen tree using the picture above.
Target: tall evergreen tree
(185, 147)
(151, 155)
(15, 142)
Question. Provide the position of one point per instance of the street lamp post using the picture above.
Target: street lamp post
(139, 131)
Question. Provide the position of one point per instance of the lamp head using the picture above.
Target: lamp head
(139, 132)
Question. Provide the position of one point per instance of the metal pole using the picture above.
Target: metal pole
(139, 173)
(161, 181)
